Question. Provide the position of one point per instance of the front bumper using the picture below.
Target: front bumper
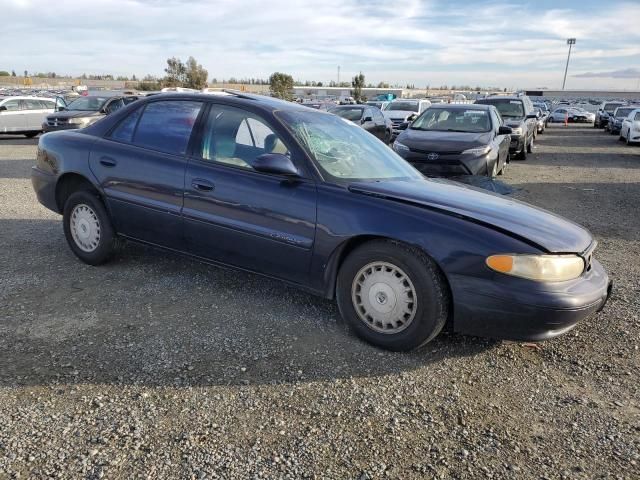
(524, 310)
(65, 126)
(517, 143)
(447, 164)
(44, 184)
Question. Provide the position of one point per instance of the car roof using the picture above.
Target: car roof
(500, 97)
(25, 97)
(268, 104)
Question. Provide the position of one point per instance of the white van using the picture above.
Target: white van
(25, 115)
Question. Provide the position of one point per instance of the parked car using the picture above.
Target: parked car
(542, 119)
(369, 118)
(380, 104)
(614, 125)
(403, 111)
(602, 115)
(450, 139)
(630, 129)
(300, 195)
(571, 114)
(517, 113)
(85, 110)
(24, 115)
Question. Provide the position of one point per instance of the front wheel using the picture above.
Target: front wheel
(88, 229)
(387, 137)
(392, 295)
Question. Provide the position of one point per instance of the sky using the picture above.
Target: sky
(421, 42)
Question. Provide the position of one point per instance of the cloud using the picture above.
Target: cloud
(625, 73)
(408, 41)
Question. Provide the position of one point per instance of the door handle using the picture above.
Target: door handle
(202, 185)
(108, 162)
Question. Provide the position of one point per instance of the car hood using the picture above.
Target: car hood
(544, 229)
(442, 141)
(76, 113)
(398, 114)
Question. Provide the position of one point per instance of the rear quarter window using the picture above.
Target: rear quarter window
(166, 126)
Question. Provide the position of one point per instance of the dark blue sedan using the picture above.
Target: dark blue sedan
(310, 198)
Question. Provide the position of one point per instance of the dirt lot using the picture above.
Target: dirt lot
(156, 366)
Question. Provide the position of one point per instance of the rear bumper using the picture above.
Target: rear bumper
(527, 311)
(44, 184)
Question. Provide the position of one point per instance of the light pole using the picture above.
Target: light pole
(570, 42)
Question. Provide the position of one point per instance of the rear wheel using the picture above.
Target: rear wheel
(88, 228)
(392, 295)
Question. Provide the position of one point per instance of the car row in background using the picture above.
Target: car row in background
(614, 125)
(565, 113)
(603, 113)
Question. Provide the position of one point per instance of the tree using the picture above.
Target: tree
(383, 85)
(195, 74)
(280, 85)
(13, 73)
(4, 73)
(176, 72)
(26, 73)
(357, 84)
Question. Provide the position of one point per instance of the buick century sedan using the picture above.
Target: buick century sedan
(309, 198)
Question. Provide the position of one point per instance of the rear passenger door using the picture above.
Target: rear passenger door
(236, 215)
(12, 116)
(141, 167)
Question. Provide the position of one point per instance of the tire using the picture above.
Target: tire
(504, 165)
(31, 134)
(530, 146)
(92, 239)
(494, 169)
(387, 137)
(620, 138)
(361, 280)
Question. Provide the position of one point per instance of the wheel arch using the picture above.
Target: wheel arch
(72, 182)
(342, 251)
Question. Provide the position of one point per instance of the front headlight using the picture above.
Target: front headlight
(478, 151)
(83, 121)
(541, 268)
(516, 131)
(400, 147)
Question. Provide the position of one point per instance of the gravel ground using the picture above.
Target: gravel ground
(156, 366)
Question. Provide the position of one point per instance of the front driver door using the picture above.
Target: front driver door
(238, 216)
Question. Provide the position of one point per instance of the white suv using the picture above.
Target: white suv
(404, 110)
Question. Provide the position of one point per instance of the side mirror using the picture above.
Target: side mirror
(367, 119)
(502, 130)
(61, 109)
(3, 108)
(275, 163)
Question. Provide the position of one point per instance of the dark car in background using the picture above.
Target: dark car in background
(292, 193)
(85, 110)
(367, 117)
(604, 112)
(614, 125)
(452, 139)
(517, 113)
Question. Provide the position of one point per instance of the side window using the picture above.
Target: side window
(497, 121)
(12, 105)
(235, 137)
(124, 131)
(114, 105)
(47, 104)
(128, 100)
(166, 125)
(33, 104)
(637, 117)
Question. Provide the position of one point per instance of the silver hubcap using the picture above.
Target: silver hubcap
(85, 228)
(384, 297)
